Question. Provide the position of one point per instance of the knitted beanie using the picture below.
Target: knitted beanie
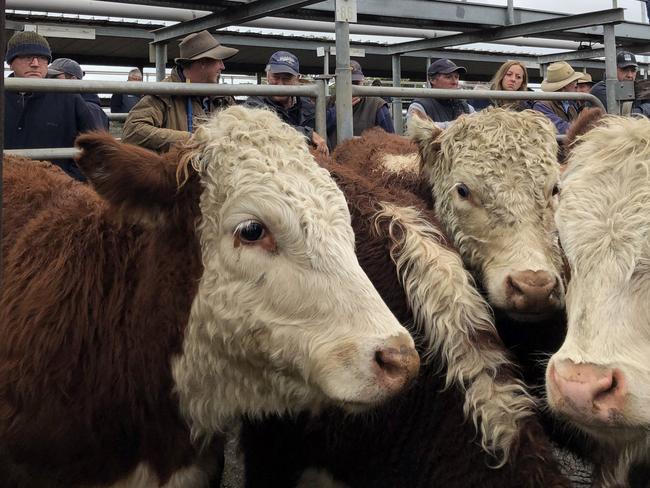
(27, 43)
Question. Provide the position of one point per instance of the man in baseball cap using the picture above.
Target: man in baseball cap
(367, 112)
(626, 61)
(442, 74)
(283, 68)
(65, 69)
(626, 69)
(69, 69)
(157, 122)
(283, 62)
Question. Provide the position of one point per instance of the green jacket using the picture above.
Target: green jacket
(157, 122)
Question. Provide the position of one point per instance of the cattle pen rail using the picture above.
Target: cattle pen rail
(317, 90)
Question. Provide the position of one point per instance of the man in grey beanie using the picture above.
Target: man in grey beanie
(39, 120)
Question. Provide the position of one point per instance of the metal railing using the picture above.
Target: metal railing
(398, 92)
(317, 90)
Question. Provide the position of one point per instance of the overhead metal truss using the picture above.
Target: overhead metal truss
(243, 13)
(613, 16)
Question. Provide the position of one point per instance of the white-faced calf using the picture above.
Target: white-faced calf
(600, 378)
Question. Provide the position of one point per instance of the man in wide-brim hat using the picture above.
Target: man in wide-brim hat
(560, 77)
(159, 121)
(584, 84)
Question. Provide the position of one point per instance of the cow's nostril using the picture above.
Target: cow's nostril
(532, 291)
(388, 361)
(397, 365)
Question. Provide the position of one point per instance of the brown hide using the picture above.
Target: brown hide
(419, 439)
(92, 309)
(364, 155)
(587, 119)
(529, 346)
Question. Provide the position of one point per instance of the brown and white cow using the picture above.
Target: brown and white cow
(599, 380)
(139, 317)
(491, 179)
(503, 228)
(466, 414)
(494, 180)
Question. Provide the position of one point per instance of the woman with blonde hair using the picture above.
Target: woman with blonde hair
(511, 76)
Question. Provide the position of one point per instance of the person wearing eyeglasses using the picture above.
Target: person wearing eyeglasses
(626, 70)
(42, 119)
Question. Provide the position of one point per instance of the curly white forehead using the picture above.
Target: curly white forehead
(245, 139)
(251, 150)
(496, 128)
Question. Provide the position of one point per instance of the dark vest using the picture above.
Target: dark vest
(364, 116)
(440, 110)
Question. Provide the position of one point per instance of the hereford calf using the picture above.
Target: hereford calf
(139, 316)
(599, 380)
(492, 181)
(466, 414)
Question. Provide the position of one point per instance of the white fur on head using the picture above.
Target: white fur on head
(604, 225)
(456, 322)
(398, 163)
(507, 161)
(285, 329)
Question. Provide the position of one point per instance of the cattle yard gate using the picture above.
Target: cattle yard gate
(477, 23)
(317, 91)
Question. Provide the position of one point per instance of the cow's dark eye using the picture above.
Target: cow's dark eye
(463, 191)
(556, 190)
(250, 231)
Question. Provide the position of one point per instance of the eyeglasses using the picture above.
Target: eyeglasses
(29, 59)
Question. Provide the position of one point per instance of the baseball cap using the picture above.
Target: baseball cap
(283, 62)
(625, 59)
(357, 73)
(65, 66)
(444, 66)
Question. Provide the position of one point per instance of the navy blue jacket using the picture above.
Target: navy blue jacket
(599, 90)
(302, 115)
(38, 120)
(95, 106)
(122, 103)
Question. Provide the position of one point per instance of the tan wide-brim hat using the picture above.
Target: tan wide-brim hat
(586, 78)
(203, 45)
(559, 75)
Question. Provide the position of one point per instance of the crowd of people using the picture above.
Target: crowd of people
(156, 122)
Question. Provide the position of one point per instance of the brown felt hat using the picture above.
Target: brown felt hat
(203, 45)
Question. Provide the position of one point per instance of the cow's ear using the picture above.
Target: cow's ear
(425, 134)
(587, 120)
(127, 176)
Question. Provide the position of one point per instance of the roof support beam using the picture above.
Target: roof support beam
(245, 13)
(612, 16)
(587, 54)
(571, 55)
(427, 13)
